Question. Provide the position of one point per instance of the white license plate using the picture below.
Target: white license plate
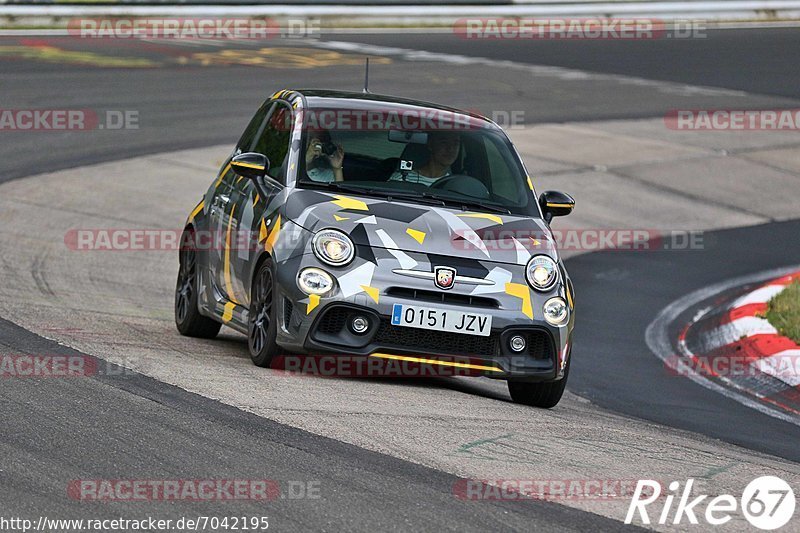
(415, 316)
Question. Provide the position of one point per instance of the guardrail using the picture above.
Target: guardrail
(409, 12)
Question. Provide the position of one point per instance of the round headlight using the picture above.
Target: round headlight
(333, 247)
(542, 272)
(314, 281)
(555, 311)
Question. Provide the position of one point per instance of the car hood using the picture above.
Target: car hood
(418, 228)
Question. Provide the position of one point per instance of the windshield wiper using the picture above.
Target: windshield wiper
(488, 207)
(421, 198)
(388, 195)
(468, 203)
(337, 186)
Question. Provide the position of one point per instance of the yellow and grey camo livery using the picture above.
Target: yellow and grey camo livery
(398, 245)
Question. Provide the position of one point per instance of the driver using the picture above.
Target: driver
(443, 147)
(323, 158)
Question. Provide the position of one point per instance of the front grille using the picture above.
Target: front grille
(434, 341)
(334, 324)
(334, 321)
(539, 345)
(442, 297)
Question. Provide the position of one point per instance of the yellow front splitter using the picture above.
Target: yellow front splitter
(424, 360)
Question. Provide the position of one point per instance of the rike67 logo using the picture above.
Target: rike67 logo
(767, 503)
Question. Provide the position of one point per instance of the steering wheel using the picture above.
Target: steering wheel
(462, 184)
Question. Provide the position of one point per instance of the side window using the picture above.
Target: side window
(273, 141)
(253, 129)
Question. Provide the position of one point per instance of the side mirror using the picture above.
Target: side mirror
(250, 165)
(555, 204)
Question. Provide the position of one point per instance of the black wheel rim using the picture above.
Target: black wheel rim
(261, 309)
(185, 289)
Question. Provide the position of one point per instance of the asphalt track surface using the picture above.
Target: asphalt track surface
(183, 103)
(188, 105)
(120, 421)
(752, 60)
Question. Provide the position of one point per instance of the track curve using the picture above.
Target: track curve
(700, 304)
(118, 305)
(649, 283)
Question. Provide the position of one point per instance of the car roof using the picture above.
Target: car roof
(325, 98)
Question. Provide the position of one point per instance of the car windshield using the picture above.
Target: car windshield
(470, 166)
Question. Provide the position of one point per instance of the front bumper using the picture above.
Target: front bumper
(325, 328)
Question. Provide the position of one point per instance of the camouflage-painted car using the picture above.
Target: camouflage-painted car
(349, 223)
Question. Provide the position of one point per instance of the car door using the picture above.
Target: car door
(249, 205)
(219, 199)
(223, 224)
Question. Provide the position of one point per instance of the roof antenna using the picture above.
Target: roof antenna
(366, 78)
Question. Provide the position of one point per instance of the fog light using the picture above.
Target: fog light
(555, 311)
(517, 343)
(360, 324)
(314, 281)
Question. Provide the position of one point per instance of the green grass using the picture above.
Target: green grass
(783, 312)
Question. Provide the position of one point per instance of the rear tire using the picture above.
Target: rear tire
(262, 324)
(545, 395)
(188, 319)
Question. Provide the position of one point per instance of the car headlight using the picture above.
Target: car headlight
(541, 272)
(333, 247)
(314, 281)
(555, 311)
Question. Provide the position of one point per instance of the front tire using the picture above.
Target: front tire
(188, 319)
(545, 395)
(262, 324)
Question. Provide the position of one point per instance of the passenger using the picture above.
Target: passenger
(323, 158)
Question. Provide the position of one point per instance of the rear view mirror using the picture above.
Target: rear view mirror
(250, 165)
(404, 136)
(555, 204)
